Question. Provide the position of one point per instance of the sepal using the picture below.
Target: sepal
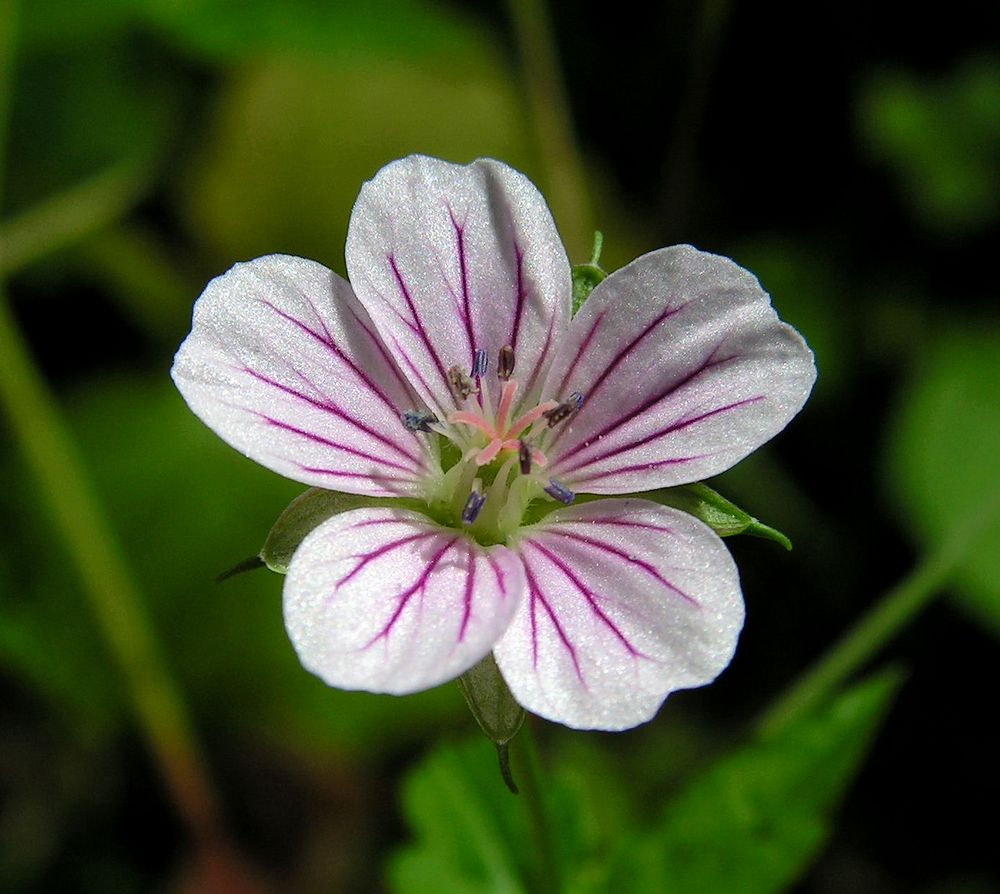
(721, 515)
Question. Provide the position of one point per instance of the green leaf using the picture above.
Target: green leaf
(943, 457)
(721, 515)
(471, 833)
(753, 821)
(305, 512)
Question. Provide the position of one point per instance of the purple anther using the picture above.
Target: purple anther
(564, 410)
(418, 420)
(480, 363)
(473, 506)
(555, 490)
(524, 457)
(505, 363)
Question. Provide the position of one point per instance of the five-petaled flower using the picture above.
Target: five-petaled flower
(449, 375)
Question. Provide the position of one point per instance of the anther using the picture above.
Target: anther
(473, 506)
(461, 385)
(505, 363)
(418, 420)
(480, 363)
(564, 410)
(555, 490)
(524, 457)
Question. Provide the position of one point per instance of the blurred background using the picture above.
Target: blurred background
(156, 730)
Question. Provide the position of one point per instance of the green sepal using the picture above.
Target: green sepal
(495, 710)
(587, 276)
(308, 511)
(721, 515)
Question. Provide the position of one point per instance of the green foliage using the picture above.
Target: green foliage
(940, 138)
(943, 457)
(754, 820)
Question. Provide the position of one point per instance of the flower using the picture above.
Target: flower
(448, 382)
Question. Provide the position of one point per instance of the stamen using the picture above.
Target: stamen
(418, 420)
(564, 410)
(480, 363)
(473, 506)
(461, 385)
(524, 457)
(505, 363)
(555, 490)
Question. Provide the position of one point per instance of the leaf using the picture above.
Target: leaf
(471, 833)
(943, 456)
(721, 515)
(753, 821)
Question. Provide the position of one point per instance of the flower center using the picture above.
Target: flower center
(498, 472)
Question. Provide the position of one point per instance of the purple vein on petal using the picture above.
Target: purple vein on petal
(417, 322)
(470, 580)
(404, 597)
(535, 595)
(630, 560)
(379, 345)
(331, 408)
(381, 551)
(668, 312)
(319, 439)
(499, 575)
(581, 352)
(588, 595)
(637, 467)
(666, 392)
(675, 426)
(327, 342)
(520, 294)
(463, 268)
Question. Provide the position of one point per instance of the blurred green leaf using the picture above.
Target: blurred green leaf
(940, 137)
(753, 821)
(943, 456)
(292, 142)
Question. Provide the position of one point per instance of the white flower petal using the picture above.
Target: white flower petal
(625, 602)
(285, 365)
(684, 368)
(385, 600)
(448, 259)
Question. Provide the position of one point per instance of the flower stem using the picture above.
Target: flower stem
(883, 621)
(553, 122)
(529, 776)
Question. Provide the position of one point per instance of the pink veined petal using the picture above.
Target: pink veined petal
(626, 601)
(285, 365)
(685, 369)
(448, 259)
(385, 600)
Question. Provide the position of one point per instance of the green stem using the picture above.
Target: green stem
(886, 618)
(530, 778)
(553, 123)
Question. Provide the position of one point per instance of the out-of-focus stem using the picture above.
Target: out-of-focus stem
(883, 621)
(553, 123)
